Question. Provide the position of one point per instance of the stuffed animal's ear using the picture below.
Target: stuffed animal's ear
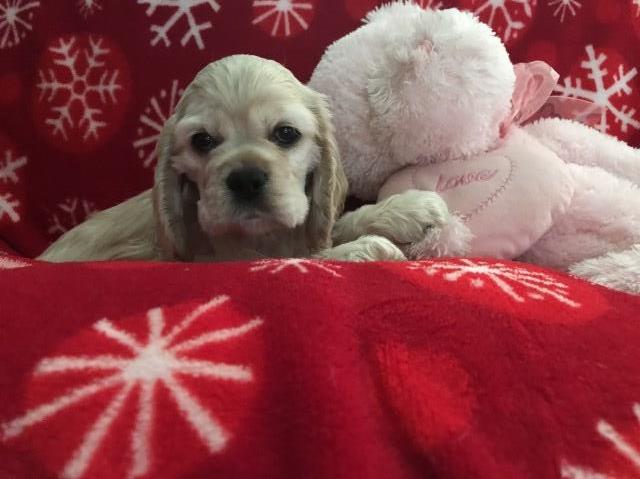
(535, 82)
(174, 202)
(328, 185)
(387, 10)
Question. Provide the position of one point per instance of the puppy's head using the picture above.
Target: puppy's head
(249, 151)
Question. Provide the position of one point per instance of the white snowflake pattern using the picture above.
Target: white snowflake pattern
(513, 26)
(601, 94)
(182, 8)
(152, 121)
(8, 174)
(72, 212)
(159, 360)
(15, 18)
(537, 286)
(433, 4)
(302, 265)
(637, 5)
(9, 166)
(284, 10)
(564, 6)
(88, 7)
(570, 471)
(79, 87)
(7, 262)
(9, 207)
(620, 445)
(617, 440)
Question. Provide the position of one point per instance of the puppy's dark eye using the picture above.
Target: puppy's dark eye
(285, 135)
(203, 142)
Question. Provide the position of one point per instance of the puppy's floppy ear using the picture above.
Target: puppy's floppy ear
(174, 202)
(329, 183)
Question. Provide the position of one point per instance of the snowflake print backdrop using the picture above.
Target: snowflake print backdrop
(15, 21)
(634, 14)
(434, 4)
(357, 9)
(157, 112)
(82, 92)
(283, 18)
(564, 8)
(7, 262)
(88, 7)
(195, 13)
(69, 213)
(604, 78)
(143, 383)
(509, 18)
(12, 168)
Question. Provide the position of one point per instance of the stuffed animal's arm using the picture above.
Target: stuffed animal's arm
(404, 218)
(580, 144)
(618, 270)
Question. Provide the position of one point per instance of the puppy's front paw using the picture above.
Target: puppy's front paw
(407, 217)
(367, 248)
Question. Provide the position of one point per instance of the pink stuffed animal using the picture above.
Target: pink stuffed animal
(429, 100)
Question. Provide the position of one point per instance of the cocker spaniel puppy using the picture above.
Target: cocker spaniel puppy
(247, 168)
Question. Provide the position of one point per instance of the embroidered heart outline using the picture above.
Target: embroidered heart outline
(488, 201)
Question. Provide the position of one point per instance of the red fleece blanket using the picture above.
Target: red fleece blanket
(85, 85)
(286, 369)
(293, 368)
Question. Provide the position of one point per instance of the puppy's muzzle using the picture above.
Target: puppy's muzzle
(247, 184)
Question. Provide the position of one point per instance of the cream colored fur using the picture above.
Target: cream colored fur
(415, 86)
(189, 215)
(407, 219)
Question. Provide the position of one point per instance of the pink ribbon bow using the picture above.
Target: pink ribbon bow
(532, 99)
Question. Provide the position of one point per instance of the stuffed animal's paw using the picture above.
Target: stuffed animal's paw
(452, 239)
(365, 248)
(407, 217)
(620, 271)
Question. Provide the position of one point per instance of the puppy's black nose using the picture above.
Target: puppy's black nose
(247, 183)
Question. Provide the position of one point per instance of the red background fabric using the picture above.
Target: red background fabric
(451, 369)
(447, 369)
(53, 172)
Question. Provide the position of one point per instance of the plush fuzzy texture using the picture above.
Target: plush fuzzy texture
(596, 237)
(298, 368)
(615, 270)
(393, 75)
(604, 216)
(452, 239)
(579, 144)
(191, 213)
(404, 218)
(418, 87)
